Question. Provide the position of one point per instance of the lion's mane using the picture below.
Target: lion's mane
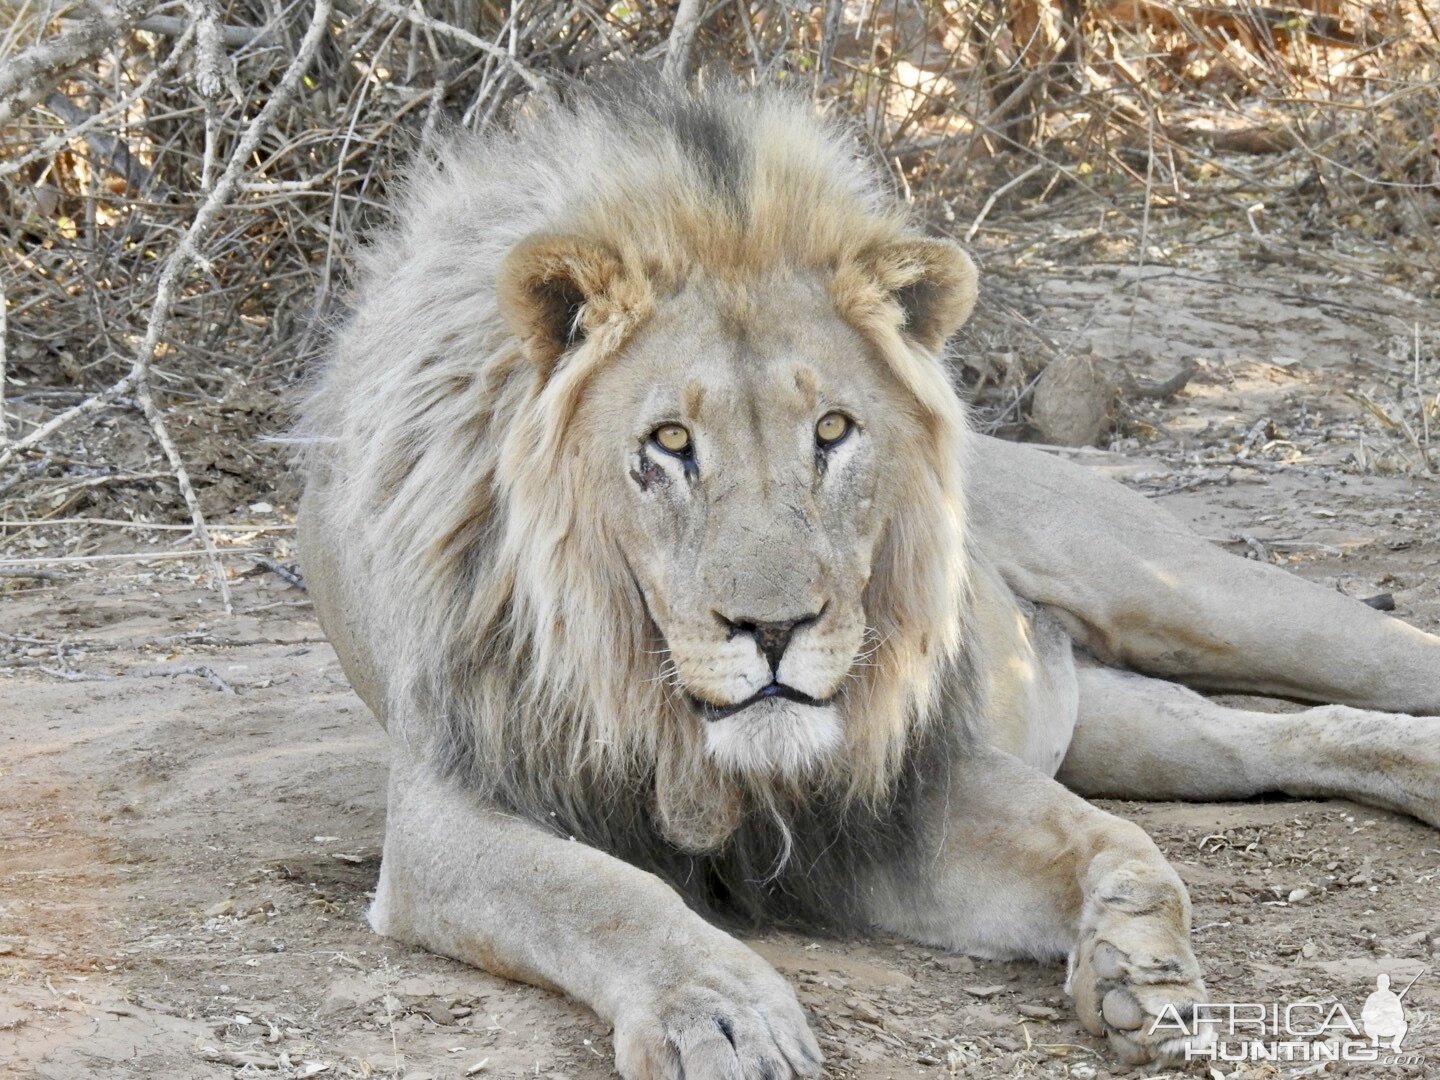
(512, 644)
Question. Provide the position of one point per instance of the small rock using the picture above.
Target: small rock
(1073, 403)
(1296, 895)
(436, 1010)
(961, 964)
(239, 1058)
(1038, 1012)
(985, 991)
(863, 1010)
(39, 948)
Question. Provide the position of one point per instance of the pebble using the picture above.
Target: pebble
(863, 1010)
(985, 991)
(1038, 1012)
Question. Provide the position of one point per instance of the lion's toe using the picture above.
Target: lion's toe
(1141, 1002)
(700, 1032)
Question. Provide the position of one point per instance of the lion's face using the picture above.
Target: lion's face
(748, 438)
(734, 511)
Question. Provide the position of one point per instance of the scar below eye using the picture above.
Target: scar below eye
(647, 474)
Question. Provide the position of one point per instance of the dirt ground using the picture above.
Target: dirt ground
(191, 805)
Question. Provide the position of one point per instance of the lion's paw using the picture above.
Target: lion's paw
(732, 1020)
(1133, 975)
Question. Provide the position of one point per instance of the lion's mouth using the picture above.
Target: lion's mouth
(712, 712)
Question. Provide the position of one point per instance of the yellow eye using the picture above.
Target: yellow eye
(832, 428)
(672, 437)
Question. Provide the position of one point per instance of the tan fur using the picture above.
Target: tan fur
(553, 616)
(450, 570)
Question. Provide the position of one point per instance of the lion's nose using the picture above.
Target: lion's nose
(772, 637)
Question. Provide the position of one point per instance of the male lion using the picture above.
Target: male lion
(643, 514)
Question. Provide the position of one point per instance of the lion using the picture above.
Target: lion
(642, 512)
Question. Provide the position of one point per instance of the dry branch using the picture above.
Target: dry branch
(114, 154)
(179, 261)
(27, 78)
(535, 81)
(234, 37)
(4, 333)
(1253, 22)
(682, 39)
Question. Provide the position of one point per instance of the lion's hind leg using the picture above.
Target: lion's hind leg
(1141, 590)
(1143, 738)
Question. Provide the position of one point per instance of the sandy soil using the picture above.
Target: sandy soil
(191, 806)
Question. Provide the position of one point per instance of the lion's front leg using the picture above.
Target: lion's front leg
(687, 1000)
(1025, 867)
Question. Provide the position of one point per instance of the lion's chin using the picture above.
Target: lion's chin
(775, 737)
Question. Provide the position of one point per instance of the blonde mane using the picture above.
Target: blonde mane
(516, 643)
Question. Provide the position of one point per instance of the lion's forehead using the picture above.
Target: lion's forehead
(698, 360)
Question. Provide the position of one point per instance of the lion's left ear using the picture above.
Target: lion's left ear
(555, 290)
(933, 282)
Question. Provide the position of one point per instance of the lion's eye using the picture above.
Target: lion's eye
(832, 428)
(672, 438)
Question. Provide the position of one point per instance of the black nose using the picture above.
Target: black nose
(773, 638)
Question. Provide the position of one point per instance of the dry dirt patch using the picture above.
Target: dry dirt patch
(185, 873)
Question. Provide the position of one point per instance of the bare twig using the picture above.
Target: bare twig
(186, 253)
(113, 152)
(27, 78)
(70, 674)
(205, 672)
(283, 572)
(995, 196)
(1166, 388)
(93, 403)
(682, 37)
(144, 526)
(120, 556)
(234, 37)
(534, 80)
(4, 334)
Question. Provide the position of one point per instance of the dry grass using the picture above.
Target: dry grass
(176, 225)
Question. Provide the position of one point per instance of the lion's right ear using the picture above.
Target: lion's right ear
(557, 290)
